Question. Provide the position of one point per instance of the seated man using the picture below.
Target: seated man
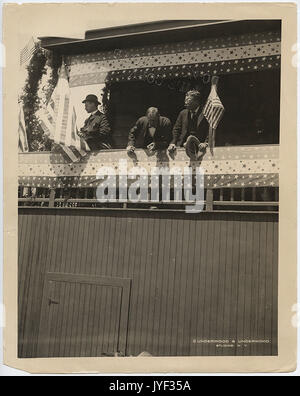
(191, 128)
(96, 130)
(155, 130)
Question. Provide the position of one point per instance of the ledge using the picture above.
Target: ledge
(232, 167)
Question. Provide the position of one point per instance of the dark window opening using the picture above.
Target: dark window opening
(251, 101)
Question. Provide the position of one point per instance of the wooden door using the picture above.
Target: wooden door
(83, 316)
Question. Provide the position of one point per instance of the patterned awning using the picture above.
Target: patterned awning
(234, 167)
(192, 59)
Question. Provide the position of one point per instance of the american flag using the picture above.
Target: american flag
(23, 142)
(58, 120)
(28, 51)
(213, 112)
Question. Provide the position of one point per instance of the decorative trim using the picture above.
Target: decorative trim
(175, 48)
(197, 70)
(244, 166)
(214, 56)
(214, 181)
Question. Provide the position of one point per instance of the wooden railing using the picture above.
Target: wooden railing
(255, 198)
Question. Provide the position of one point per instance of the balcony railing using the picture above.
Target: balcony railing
(236, 178)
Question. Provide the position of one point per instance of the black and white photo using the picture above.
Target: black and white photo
(150, 154)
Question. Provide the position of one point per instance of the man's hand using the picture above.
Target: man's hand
(80, 134)
(171, 148)
(151, 146)
(203, 146)
(130, 149)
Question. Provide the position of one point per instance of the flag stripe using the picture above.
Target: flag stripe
(59, 120)
(213, 112)
(69, 153)
(69, 124)
(27, 52)
(23, 142)
(64, 120)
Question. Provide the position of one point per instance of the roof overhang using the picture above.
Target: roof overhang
(155, 33)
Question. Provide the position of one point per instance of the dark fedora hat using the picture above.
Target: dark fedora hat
(91, 98)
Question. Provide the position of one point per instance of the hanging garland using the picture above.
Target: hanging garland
(36, 92)
(53, 63)
(40, 83)
(31, 102)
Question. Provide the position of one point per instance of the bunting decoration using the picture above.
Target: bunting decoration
(234, 167)
(190, 59)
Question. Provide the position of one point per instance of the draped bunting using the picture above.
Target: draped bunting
(237, 166)
(224, 55)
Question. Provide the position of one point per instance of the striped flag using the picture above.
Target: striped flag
(213, 112)
(23, 142)
(58, 120)
(28, 51)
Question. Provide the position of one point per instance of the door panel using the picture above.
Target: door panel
(83, 316)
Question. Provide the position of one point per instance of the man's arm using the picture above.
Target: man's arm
(104, 127)
(99, 126)
(163, 143)
(177, 129)
(134, 131)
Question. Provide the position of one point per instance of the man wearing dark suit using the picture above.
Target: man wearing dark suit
(96, 130)
(155, 131)
(191, 128)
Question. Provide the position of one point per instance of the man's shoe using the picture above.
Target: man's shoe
(201, 154)
(192, 147)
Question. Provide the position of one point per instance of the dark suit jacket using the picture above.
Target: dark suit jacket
(96, 130)
(182, 127)
(162, 136)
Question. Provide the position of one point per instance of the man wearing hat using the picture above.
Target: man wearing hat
(96, 130)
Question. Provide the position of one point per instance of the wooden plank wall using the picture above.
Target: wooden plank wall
(210, 276)
(76, 326)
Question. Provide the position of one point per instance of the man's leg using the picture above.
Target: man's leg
(192, 147)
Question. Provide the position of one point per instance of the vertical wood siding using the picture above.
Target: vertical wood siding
(211, 276)
(77, 326)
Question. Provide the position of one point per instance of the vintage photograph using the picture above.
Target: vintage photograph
(148, 190)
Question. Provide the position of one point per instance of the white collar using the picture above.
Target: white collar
(94, 112)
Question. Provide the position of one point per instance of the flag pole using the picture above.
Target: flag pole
(63, 64)
(215, 80)
(212, 134)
